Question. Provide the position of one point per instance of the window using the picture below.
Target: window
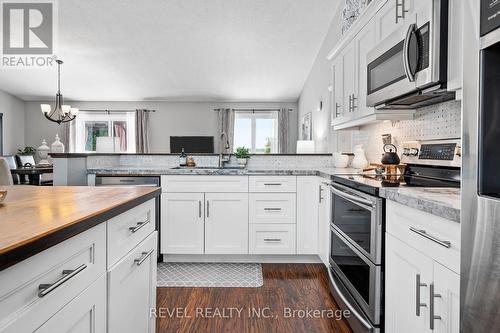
(257, 131)
(90, 125)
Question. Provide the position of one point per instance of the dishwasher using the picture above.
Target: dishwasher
(153, 181)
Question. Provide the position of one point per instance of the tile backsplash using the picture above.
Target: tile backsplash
(440, 121)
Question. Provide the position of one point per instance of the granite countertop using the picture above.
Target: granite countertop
(162, 170)
(442, 202)
(34, 218)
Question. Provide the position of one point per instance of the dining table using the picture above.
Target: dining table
(34, 173)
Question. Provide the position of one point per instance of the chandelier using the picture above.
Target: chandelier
(61, 113)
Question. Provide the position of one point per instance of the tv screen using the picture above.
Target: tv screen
(192, 144)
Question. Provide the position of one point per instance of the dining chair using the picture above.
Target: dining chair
(11, 161)
(5, 176)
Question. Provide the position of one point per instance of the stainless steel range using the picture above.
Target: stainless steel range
(357, 227)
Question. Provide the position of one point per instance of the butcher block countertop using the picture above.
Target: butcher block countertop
(34, 218)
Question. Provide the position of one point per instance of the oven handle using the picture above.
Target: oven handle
(411, 30)
(361, 318)
(367, 204)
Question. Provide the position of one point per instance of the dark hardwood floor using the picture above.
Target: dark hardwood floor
(286, 286)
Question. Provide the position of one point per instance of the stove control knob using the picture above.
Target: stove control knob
(406, 152)
(414, 151)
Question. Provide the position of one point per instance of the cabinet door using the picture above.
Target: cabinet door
(446, 300)
(350, 76)
(365, 42)
(307, 215)
(85, 313)
(132, 290)
(385, 20)
(182, 223)
(324, 221)
(338, 89)
(226, 223)
(404, 266)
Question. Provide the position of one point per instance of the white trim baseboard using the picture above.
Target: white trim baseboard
(281, 259)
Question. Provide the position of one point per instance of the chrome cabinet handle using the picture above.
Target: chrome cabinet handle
(423, 233)
(199, 208)
(139, 225)
(353, 102)
(272, 209)
(350, 103)
(403, 10)
(45, 289)
(208, 208)
(144, 256)
(320, 194)
(357, 200)
(273, 184)
(431, 306)
(272, 239)
(337, 107)
(418, 304)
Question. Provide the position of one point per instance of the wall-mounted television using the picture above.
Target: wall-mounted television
(192, 144)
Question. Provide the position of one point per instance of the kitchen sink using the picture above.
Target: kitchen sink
(207, 168)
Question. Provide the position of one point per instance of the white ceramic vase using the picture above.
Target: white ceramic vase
(359, 161)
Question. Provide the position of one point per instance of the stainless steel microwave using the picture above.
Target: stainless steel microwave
(408, 69)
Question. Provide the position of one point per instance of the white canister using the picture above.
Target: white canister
(43, 153)
(340, 160)
(359, 161)
(57, 146)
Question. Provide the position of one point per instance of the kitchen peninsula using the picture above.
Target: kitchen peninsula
(70, 253)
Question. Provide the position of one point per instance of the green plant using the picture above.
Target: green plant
(242, 152)
(26, 151)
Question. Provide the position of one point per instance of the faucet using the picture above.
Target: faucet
(223, 159)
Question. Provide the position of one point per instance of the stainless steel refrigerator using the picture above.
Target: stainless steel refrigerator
(480, 216)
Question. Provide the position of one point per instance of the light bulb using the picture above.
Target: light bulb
(65, 108)
(45, 108)
(74, 112)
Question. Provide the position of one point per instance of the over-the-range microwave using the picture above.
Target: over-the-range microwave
(408, 69)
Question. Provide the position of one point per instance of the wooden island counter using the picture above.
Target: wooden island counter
(69, 253)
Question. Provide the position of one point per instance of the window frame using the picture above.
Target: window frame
(77, 128)
(253, 116)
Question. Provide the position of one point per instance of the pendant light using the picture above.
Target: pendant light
(61, 113)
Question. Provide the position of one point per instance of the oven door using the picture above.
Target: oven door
(361, 277)
(358, 217)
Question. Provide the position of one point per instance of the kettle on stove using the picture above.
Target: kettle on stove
(390, 155)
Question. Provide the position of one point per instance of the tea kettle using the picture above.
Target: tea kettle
(390, 156)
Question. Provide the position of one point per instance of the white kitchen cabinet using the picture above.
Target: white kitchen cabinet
(272, 208)
(447, 305)
(405, 267)
(349, 83)
(324, 221)
(272, 238)
(85, 313)
(182, 224)
(307, 214)
(365, 42)
(338, 107)
(132, 290)
(226, 223)
(396, 14)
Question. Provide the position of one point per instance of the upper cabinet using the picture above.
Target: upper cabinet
(349, 59)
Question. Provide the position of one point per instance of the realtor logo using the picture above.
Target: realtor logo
(27, 27)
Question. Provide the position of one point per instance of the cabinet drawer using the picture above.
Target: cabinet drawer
(20, 296)
(127, 230)
(272, 207)
(272, 183)
(425, 232)
(132, 289)
(272, 239)
(214, 184)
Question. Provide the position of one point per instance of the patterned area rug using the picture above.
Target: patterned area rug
(227, 275)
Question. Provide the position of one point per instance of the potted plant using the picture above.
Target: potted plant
(242, 154)
(26, 151)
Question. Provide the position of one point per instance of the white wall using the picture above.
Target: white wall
(316, 89)
(170, 119)
(12, 109)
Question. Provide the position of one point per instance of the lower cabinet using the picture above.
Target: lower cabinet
(85, 313)
(421, 294)
(324, 221)
(183, 227)
(226, 223)
(276, 238)
(307, 214)
(132, 289)
(211, 223)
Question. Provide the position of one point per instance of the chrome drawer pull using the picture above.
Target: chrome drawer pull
(45, 289)
(272, 239)
(418, 304)
(273, 184)
(199, 208)
(143, 257)
(139, 225)
(431, 306)
(272, 209)
(423, 233)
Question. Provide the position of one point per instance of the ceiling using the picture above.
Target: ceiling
(180, 50)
